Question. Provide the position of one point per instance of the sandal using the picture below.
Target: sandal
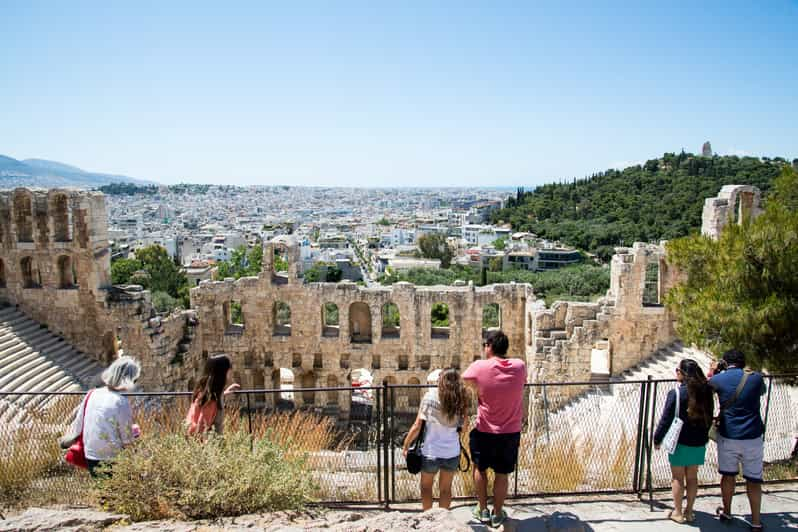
(722, 515)
(679, 519)
(689, 517)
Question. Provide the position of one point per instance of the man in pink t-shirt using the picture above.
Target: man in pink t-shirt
(499, 383)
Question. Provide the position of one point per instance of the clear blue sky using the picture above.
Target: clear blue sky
(406, 93)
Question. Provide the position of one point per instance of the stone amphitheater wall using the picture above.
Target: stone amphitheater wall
(44, 233)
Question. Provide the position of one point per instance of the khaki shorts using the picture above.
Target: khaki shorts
(749, 453)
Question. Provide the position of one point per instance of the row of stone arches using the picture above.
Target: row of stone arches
(31, 275)
(58, 212)
(360, 323)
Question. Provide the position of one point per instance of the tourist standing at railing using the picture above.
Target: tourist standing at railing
(207, 402)
(740, 432)
(695, 410)
(108, 425)
(442, 412)
(499, 384)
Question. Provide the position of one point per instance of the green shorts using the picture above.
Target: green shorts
(686, 455)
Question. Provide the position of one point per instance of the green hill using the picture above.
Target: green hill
(661, 199)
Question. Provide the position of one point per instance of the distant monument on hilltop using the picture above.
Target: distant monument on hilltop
(706, 149)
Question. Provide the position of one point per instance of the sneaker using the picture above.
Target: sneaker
(497, 520)
(481, 516)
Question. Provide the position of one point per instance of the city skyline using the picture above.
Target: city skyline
(417, 95)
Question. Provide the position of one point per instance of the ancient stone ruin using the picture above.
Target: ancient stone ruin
(55, 267)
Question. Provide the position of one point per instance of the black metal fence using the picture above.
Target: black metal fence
(578, 438)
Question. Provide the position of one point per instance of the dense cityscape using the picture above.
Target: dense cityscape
(367, 234)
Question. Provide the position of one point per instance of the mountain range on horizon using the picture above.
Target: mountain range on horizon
(52, 174)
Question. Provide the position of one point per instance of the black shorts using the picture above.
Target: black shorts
(494, 451)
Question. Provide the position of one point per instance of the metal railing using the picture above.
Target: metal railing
(578, 438)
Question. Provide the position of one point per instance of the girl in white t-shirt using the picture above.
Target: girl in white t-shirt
(444, 411)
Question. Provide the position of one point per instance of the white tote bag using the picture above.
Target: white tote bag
(671, 438)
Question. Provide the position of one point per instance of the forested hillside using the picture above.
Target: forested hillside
(661, 199)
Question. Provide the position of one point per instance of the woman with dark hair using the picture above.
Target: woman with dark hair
(695, 410)
(444, 411)
(207, 405)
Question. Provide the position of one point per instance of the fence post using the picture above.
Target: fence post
(644, 457)
(378, 444)
(385, 443)
(767, 407)
(393, 448)
(639, 439)
(650, 446)
(249, 414)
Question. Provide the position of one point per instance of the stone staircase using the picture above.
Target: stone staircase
(33, 359)
(602, 420)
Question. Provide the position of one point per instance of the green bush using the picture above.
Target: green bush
(174, 476)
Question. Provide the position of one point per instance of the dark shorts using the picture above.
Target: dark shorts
(494, 451)
(432, 465)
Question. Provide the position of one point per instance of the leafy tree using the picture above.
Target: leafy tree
(500, 243)
(163, 302)
(440, 315)
(323, 272)
(330, 314)
(496, 264)
(123, 269)
(390, 315)
(384, 221)
(242, 263)
(435, 246)
(661, 200)
(490, 316)
(741, 291)
(165, 275)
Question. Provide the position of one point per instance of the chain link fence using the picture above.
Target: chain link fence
(578, 438)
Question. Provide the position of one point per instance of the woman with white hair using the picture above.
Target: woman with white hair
(108, 425)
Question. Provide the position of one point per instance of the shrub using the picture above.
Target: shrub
(174, 476)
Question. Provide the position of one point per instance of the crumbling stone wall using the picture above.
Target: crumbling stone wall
(317, 357)
(56, 262)
(44, 233)
(733, 204)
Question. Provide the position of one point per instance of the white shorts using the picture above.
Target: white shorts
(749, 453)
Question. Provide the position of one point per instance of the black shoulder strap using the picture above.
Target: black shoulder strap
(730, 401)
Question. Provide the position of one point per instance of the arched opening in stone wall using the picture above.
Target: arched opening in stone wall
(414, 394)
(376, 362)
(333, 396)
(191, 385)
(309, 381)
(403, 362)
(359, 323)
(233, 317)
(390, 321)
(344, 363)
(296, 360)
(440, 321)
(281, 317)
(318, 363)
(268, 359)
(31, 278)
(424, 362)
(248, 360)
(61, 223)
(651, 283)
(330, 324)
(491, 318)
(455, 362)
(23, 216)
(67, 276)
(283, 380)
(258, 383)
(2, 274)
